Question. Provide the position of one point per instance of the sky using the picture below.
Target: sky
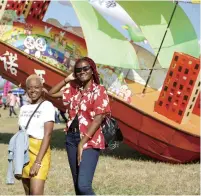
(67, 14)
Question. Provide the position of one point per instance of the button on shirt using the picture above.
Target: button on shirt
(87, 104)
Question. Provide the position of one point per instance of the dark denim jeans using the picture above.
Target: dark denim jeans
(83, 174)
(12, 111)
(56, 117)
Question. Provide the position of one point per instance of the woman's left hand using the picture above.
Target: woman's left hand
(34, 169)
(79, 152)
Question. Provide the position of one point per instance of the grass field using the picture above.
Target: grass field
(120, 172)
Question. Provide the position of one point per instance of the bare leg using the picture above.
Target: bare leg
(26, 185)
(36, 186)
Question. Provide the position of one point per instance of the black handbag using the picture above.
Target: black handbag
(112, 133)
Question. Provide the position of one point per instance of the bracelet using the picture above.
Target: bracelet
(87, 135)
(37, 163)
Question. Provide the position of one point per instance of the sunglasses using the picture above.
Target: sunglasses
(80, 69)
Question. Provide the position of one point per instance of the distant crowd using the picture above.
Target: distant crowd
(13, 101)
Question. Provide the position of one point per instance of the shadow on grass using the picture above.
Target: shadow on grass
(5, 138)
(126, 152)
(58, 140)
(123, 152)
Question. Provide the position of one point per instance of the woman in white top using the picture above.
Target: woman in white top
(39, 131)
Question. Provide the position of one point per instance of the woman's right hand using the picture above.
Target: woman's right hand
(69, 78)
(45, 90)
(34, 169)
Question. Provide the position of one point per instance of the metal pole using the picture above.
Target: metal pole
(159, 49)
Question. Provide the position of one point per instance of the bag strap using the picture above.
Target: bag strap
(33, 114)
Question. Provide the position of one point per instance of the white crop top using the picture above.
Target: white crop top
(45, 113)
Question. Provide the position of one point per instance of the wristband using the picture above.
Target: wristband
(87, 135)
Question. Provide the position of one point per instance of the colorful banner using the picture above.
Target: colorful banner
(6, 88)
(105, 44)
(153, 17)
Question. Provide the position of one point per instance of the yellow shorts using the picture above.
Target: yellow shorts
(34, 147)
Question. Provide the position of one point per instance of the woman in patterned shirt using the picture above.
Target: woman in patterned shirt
(87, 103)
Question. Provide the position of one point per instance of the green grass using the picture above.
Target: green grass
(120, 172)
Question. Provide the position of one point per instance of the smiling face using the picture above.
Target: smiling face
(40, 44)
(34, 89)
(83, 71)
(29, 42)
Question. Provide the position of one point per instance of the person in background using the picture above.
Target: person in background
(39, 131)
(18, 100)
(26, 99)
(57, 120)
(87, 103)
(11, 101)
(4, 102)
(21, 101)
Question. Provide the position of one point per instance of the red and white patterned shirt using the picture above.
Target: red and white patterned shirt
(87, 104)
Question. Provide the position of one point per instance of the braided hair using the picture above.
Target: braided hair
(93, 67)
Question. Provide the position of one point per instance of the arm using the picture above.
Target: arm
(7, 101)
(101, 108)
(44, 146)
(55, 91)
(91, 130)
